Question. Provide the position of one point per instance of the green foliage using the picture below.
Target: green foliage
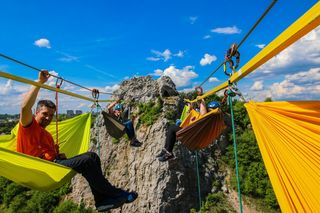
(149, 112)
(253, 176)
(115, 141)
(5, 128)
(69, 206)
(17, 198)
(268, 99)
(171, 115)
(215, 202)
(11, 191)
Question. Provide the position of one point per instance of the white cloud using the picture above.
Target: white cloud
(165, 55)
(179, 54)
(153, 59)
(213, 79)
(303, 85)
(42, 42)
(111, 88)
(227, 30)
(257, 86)
(207, 59)
(305, 53)
(181, 77)
(67, 57)
(7, 88)
(193, 19)
(260, 46)
(206, 36)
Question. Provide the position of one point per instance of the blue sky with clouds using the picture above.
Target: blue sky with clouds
(98, 44)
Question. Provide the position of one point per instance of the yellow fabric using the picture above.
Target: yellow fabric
(288, 135)
(194, 116)
(184, 113)
(35, 173)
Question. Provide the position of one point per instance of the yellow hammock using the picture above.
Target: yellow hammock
(35, 173)
(199, 131)
(288, 135)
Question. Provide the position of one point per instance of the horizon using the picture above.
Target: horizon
(100, 44)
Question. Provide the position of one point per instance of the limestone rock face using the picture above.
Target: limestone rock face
(167, 187)
(143, 89)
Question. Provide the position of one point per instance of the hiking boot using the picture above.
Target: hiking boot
(111, 203)
(163, 151)
(166, 156)
(130, 196)
(135, 143)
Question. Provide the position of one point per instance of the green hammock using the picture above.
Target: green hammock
(35, 173)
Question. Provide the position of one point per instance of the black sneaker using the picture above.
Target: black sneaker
(111, 203)
(166, 156)
(163, 151)
(135, 143)
(130, 196)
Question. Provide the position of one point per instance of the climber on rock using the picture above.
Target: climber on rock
(117, 110)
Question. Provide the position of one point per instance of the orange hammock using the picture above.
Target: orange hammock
(199, 131)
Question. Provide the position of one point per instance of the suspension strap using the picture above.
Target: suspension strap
(235, 151)
(59, 82)
(95, 95)
(198, 179)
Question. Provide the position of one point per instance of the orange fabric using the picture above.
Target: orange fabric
(202, 131)
(36, 141)
(191, 117)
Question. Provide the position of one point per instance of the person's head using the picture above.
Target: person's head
(213, 105)
(44, 112)
(117, 109)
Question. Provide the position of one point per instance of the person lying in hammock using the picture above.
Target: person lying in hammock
(33, 139)
(166, 152)
(117, 110)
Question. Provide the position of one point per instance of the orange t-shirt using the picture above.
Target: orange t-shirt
(36, 141)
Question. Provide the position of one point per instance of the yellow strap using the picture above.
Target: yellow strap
(306, 23)
(27, 81)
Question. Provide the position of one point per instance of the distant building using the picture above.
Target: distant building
(78, 112)
(70, 113)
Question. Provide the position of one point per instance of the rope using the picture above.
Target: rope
(244, 38)
(34, 83)
(39, 70)
(235, 151)
(198, 178)
(58, 85)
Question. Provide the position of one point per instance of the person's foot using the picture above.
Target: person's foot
(130, 196)
(163, 151)
(166, 156)
(111, 203)
(135, 143)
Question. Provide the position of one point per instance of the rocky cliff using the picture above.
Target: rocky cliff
(162, 186)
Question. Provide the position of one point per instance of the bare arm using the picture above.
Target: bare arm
(203, 108)
(112, 104)
(30, 98)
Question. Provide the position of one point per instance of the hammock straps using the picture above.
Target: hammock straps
(59, 82)
(198, 178)
(230, 95)
(95, 95)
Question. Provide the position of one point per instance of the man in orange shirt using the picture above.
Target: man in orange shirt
(33, 139)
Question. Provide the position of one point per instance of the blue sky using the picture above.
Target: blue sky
(98, 44)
